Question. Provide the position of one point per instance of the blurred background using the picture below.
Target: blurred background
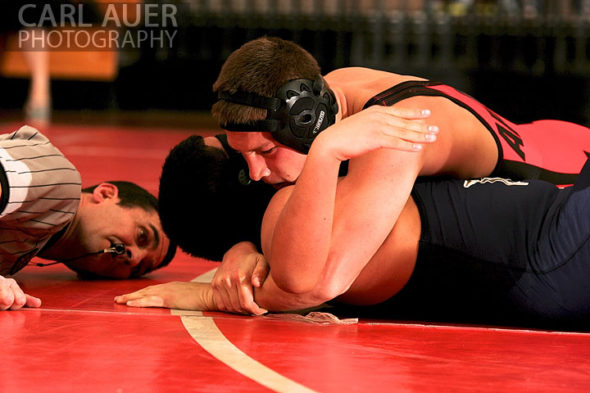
(526, 59)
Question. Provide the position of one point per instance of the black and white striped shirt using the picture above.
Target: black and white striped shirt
(40, 195)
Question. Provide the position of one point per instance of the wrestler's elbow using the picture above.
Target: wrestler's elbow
(330, 286)
(315, 296)
(294, 282)
(330, 289)
(320, 290)
(305, 277)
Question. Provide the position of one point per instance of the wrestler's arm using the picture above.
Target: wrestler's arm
(269, 295)
(326, 234)
(198, 296)
(179, 295)
(202, 296)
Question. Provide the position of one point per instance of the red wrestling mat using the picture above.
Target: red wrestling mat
(80, 340)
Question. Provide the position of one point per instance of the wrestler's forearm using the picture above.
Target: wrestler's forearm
(179, 295)
(301, 236)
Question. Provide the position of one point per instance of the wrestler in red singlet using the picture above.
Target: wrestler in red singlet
(551, 150)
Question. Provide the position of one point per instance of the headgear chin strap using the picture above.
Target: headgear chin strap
(298, 112)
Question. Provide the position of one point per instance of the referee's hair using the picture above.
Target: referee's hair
(131, 195)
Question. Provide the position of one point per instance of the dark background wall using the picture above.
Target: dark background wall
(525, 59)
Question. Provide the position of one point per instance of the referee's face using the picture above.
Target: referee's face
(140, 231)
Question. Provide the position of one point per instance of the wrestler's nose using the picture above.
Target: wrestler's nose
(257, 166)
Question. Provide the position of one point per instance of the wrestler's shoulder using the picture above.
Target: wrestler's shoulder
(366, 76)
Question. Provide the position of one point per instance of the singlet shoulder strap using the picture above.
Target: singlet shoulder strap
(231, 153)
(222, 138)
(236, 161)
(402, 91)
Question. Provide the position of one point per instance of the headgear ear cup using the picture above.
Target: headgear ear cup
(300, 110)
(310, 109)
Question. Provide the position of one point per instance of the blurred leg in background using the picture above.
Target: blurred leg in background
(38, 105)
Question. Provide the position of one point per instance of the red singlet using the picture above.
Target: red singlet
(550, 150)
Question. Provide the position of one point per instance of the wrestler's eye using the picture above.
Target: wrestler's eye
(268, 151)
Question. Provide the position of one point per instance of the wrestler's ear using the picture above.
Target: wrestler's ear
(104, 192)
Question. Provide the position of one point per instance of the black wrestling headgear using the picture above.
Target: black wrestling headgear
(298, 112)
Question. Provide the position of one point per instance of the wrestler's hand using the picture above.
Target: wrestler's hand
(12, 296)
(378, 127)
(243, 269)
(178, 295)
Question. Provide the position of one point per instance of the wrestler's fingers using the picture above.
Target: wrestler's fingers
(226, 282)
(237, 300)
(241, 291)
(260, 273)
(146, 301)
(384, 122)
(232, 299)
(394, 143)
(408, 113)
(410, 128)
(247, 303)
(224, 294)
(222, 299)
(221, 303)
(411, 136)
(391, 116)
(242, 297)
(223, 283)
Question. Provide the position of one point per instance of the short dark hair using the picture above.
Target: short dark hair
(260, 66)
(205, 204)
(131, 195)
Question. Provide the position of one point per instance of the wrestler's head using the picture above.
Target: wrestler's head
(262, 66)
(207, 202)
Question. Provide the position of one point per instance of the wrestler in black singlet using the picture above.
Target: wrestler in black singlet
(500, 251)
(253, 196)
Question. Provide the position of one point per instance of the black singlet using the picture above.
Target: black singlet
(500, 251)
